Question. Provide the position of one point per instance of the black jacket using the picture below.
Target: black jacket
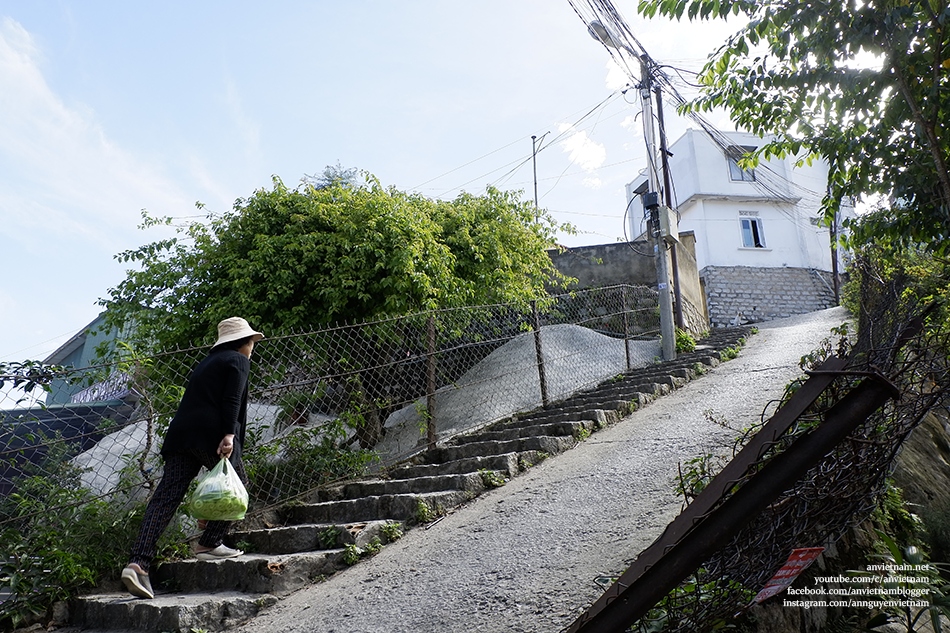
(214, 405)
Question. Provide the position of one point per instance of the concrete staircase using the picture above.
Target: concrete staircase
(303, 543)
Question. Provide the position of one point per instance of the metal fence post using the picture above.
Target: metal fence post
(430, 381)
(626, 324)
(536, 324)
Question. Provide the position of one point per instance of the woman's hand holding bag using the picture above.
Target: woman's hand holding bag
(220, 495)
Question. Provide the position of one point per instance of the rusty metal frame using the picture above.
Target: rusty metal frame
(709, 522)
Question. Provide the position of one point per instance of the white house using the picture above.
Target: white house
(760, 249)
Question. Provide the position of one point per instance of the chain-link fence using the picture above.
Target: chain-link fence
(328, 404)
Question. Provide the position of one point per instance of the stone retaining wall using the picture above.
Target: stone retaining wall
(742, 294)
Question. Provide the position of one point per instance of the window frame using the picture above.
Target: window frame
(755, 232)
(737, 173)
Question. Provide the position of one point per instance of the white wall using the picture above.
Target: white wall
(790, 240)
(786, 200)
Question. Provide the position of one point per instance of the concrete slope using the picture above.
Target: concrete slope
(527, 557)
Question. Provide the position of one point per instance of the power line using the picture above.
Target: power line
(517, 164)
(606, 24)
(451, 171)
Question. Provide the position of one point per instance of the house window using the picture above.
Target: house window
(752, 235)
(736, 172)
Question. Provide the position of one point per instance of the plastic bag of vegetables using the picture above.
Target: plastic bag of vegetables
(219, 496)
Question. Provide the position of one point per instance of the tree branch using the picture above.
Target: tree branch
(927, 126)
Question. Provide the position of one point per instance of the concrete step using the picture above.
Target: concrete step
(629, 390)
(508, 464)
(313, 537)
(545, 444)
(505, 432)
(416, 485)
(398, 507)
(167, 611)
(277, 574)
(606, 413)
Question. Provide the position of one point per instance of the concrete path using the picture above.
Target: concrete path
(525, 557)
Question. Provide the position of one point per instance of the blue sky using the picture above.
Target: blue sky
(109, 108)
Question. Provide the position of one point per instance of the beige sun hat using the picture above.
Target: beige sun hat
(235, 328)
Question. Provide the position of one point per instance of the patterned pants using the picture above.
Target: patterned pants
(180, 469)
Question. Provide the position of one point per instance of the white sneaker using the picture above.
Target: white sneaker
(137, 583)
(221, 551)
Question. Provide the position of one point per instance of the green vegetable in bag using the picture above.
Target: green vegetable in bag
(220, 495)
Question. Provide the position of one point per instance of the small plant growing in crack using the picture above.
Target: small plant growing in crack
(392, 531)
(424, 514)
(373, 547)
(353, 553)
(329, 537)
(729, 353)
(696, 476)
(492, 478)
(685, 342)
(716, 418)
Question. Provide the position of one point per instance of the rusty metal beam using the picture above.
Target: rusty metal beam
(777, 425)
(722, 524)
(716, 529)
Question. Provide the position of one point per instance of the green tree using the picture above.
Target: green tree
(333, 174)
(293, 259)
(865, 85)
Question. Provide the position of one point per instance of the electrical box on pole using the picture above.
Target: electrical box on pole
(669, 226)
(661, 227)
(651, 204)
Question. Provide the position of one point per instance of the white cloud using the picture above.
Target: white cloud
(582, 151)
(88, 182)
(70, 199)
(631, 122)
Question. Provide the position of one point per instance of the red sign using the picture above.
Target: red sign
(799, 560)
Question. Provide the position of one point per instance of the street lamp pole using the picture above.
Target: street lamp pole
(652, 205)
(534, 163)
(651, 198)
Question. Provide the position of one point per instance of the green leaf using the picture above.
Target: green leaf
(882, 123)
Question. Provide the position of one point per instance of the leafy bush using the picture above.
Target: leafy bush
(302, 460)
(52, 539)
(936, 521)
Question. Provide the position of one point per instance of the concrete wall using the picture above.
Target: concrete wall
(607, 264)
(748, 294)
(632, 263)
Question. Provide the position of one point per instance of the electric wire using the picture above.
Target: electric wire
(517, 164)
(593, 127)
(777, 189)
(581, 173)
(452, 171)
